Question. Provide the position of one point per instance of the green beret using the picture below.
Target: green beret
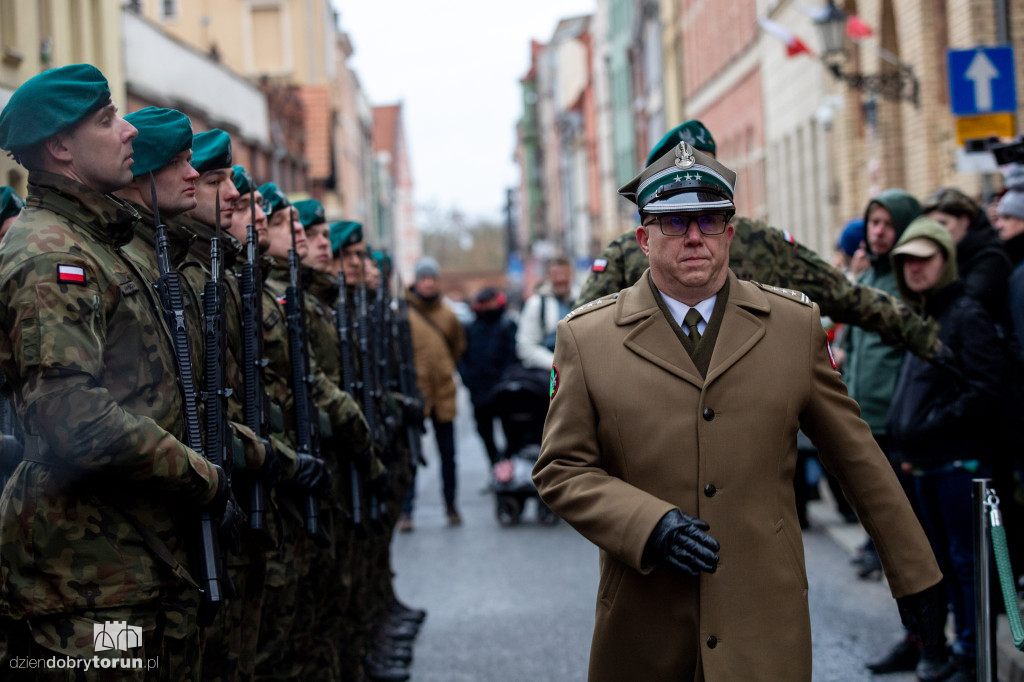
(211, 150)
(311, 212)
(682, 181)
(163, 134)
(273, 198)
(345, 233)
(10, 203)
(383, 259)
(243, 181)
(48, 103)
(692, 131)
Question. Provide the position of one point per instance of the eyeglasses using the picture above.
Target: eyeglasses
(678, 224)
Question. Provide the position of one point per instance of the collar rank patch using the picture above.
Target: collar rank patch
(553, 386)
(70, 273)
(600, 264)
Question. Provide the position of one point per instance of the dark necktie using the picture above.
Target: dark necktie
(691, 320)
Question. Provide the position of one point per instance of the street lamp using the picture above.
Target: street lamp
(893, 85)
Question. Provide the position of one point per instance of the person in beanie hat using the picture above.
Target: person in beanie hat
(91, 371)
(1010, 224)
(942, 423)
(657, 451)
(11, 204)
(438, 341)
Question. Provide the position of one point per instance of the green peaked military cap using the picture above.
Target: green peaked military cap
(273, 198)
(49, 102)
(311, 212)
(383, 259)
(345, 233)
(163, 134)
(693, 131)
(211, 150)
(11, 203)
(682, 181)
(243, 181)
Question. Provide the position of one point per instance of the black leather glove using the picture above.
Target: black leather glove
(227, 514)
(312, 475)
(683, 543)
(924, 614)
(270, 472)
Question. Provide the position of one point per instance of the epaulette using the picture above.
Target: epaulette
(786, 293)
(592, 306)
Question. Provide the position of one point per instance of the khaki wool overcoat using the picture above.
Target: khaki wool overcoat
(438, 341)
(633, 431)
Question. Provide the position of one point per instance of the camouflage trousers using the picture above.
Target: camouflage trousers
(284, 637)
(230, 643)
(127, 643)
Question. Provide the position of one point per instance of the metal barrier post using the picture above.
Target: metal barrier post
(982, 567)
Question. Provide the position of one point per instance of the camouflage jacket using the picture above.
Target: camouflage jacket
(91, 373)
(347, 420)
(771, 256)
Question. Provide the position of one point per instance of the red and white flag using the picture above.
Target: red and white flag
(857, 29)
(70, 273)
(794, 45)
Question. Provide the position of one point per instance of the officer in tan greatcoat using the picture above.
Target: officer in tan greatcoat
(671, 444)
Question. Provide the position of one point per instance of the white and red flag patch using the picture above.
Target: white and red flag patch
(831, 357)
(70, 273)
(599, 265)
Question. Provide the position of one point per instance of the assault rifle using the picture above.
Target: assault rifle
(413, 407)
(307, 416)
(213, 581)
(349, 384)
(257, 402)
(369, 388)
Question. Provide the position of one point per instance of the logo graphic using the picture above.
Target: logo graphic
(116, 635)
(684, 156)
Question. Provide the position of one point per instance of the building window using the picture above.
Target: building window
(134, 6)
(169, 9)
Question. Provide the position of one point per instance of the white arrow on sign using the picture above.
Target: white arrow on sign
(982, 71)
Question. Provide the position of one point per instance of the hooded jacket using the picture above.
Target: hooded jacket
(939, 415)
(872, 367)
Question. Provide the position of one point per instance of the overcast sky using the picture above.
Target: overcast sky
(456, 65)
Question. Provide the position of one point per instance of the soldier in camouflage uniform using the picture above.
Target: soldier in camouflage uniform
(90, 369)
(348, 437)
(771, 256)
(11, 204)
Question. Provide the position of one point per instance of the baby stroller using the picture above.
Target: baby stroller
(521, 402)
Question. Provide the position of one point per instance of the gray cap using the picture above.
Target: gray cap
(1012, 204)
(1014, 176)
(426, 267)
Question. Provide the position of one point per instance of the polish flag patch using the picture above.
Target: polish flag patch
(600, 264)
(788, 237)
(282, 300)
(70, 273)
(831, 358)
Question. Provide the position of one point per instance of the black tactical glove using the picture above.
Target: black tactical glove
(227, 513)
(924, 615)
(312, 475)
(682, 542)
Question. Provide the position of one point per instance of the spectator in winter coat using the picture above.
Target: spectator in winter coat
(490, 349)
(551, 301)
(941, 419)
(981, 260)
(1011, 230)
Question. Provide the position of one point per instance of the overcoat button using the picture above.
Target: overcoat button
(709, 414)
(712, 641)
(710, 490)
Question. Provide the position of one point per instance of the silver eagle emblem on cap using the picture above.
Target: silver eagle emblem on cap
(684, 155)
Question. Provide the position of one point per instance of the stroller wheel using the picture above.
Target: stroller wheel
(545, 516)
(509, 510)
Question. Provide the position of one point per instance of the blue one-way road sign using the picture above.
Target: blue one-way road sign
(981, 80)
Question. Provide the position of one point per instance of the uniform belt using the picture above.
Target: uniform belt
(35, 451)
